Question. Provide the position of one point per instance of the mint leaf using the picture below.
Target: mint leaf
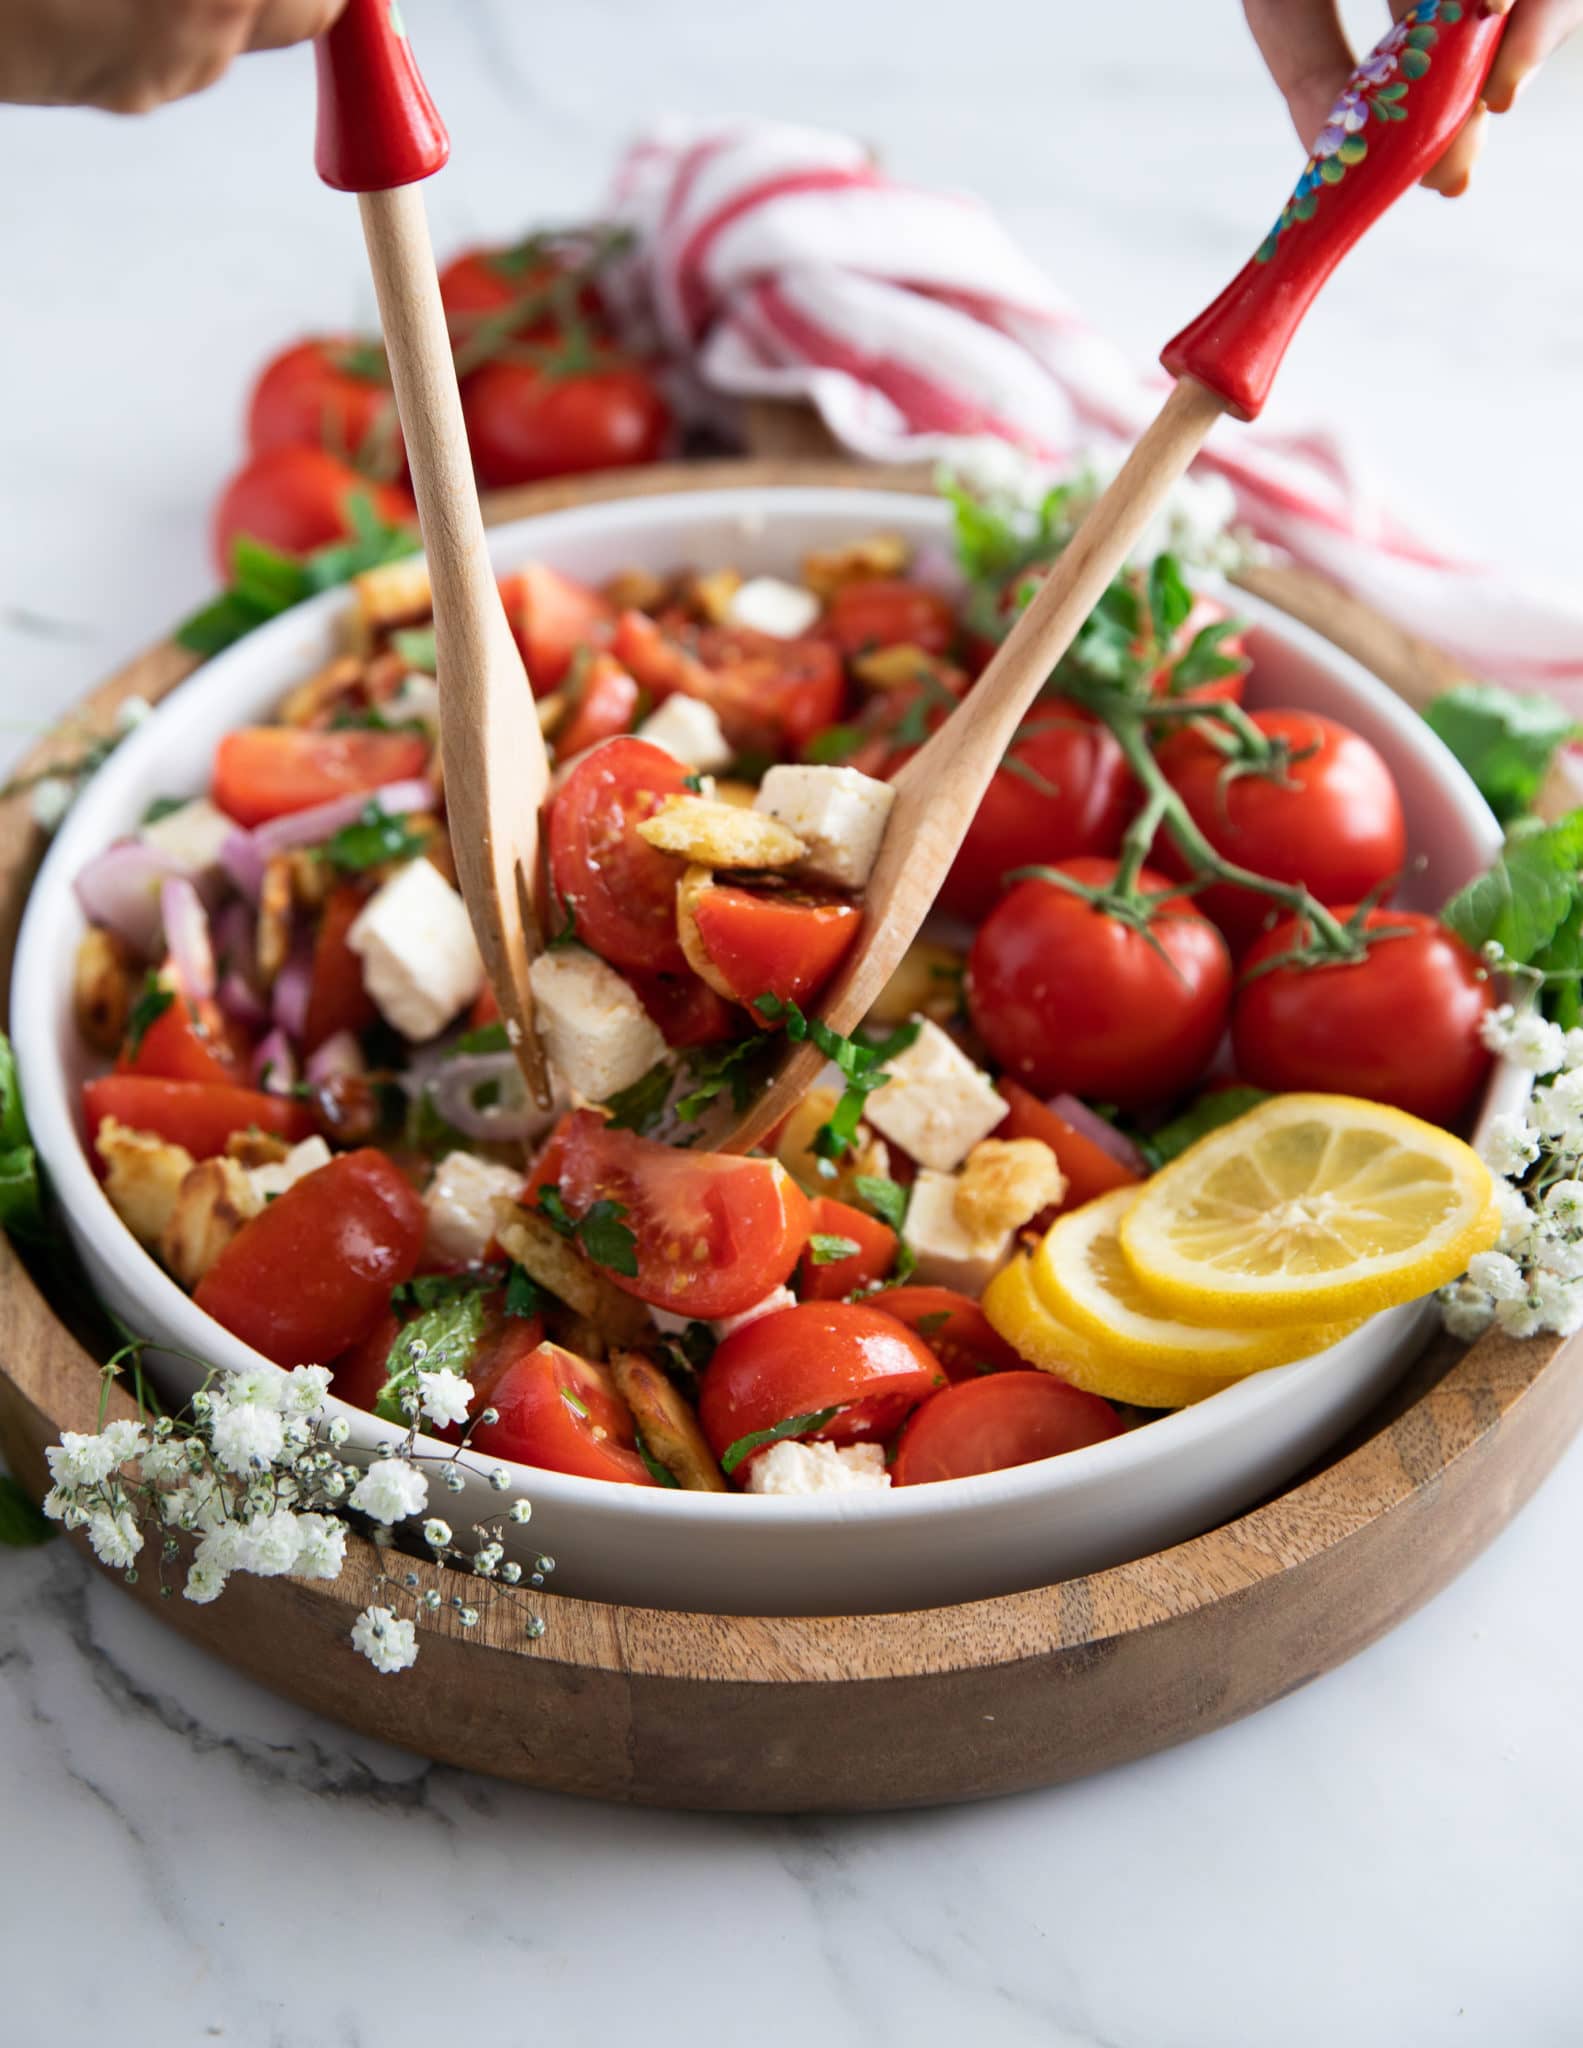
(151, 1002)
(607, 1240)
(1219, 1106)
(524, 1295)
(1527, 896)
(825, 1249)
(793, 1426)
(375, 838)
(837, 743)
(640, 1107)
(659, 1473)
(1505, 739)
(265, 582)
(887, 1198)
(1170, 600)
(1204, 662)
(442, 1338)
(415, 646)
(22, 1525)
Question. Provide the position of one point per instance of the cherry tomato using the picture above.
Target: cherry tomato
(332, 394)
(187, 1041)
(785, 942)
(1326, 815)
(266, 771)
(620, 890)
(525, 422)
(688, 1011)
(337, 999)
(297, 500)
(661, 664)
(831, 1279)
(200, 1115)
(800, 1361)
(715, 1233)
(889, 612)
(554, 619)
(607, 703)
(1065, 790)
(767, 693)
(1168, 678)
(361, 1372)
(955, 1329)
(563, 1414)
(1069, 998)
(480, 284)
(1088, 1168)
(1401, 1025)
(1008, 1418)
(311, 1274)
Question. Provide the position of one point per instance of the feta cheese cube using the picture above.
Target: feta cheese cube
(949, 1254)
(689, 731)
(772, 1304)
(279, 1174)
(793, 1466)
(764, 604)
(838, 813)
(936, 1105)
(192, 835)
(421, 963)
(459, 1201)
(597, 1034)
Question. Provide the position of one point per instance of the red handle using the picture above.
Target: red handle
(377, 124)
(1400, 109)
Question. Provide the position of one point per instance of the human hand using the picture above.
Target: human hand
(1303, 43)
(129, 56)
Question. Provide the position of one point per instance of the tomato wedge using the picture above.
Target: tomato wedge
(955, 1329)
(661, 664)
(688, 1011)
(771, 693)
(620, 890)
(888, 611)
(267, 771)
(783, 942)
(552, 617)
(714, 1233)
(197, 1114)
(563, 1414)
(1008, 1418)
(186, 1042)
(607, 704)
(831, 1279)
(337, 999)
(1089, 1169)
(311, 1274)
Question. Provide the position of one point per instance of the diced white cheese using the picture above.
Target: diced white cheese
(421, 963)
(597, 1034)
(772, 1304)
(417, 702)
(193, 835)
(459, 1202)
(798, 1467)
(764, 604)
(279, 1174)
(689, 731)
(936, 1105)
(949, 1255)
(838, 813)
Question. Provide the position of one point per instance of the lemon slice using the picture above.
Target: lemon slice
(1015, 1309)
(1311, 1208)
(1081, 1276)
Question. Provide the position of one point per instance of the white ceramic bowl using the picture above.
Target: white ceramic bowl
(915, 1547)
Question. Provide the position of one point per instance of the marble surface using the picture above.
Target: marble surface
(1391, 1856)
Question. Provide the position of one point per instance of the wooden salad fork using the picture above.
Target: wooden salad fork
(1396, 116)
(379, 136)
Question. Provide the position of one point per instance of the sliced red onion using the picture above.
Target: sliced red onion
(288, 1002)
(936, 568)
(120, 889)
(1089, 1124)
(312, 827)
(243, 863)
(235, 937)
(340, 1054)
(238, 1001)
(275, 1064)
(187, 941)
(515, 1115)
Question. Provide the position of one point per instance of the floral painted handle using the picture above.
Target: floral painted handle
(1400, 110)
(377, 125)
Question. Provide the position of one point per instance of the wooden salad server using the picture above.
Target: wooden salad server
(1399, 111)
(379, 136)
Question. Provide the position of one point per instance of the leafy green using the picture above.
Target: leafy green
(567, 935)
(933, 1323)
(442, 1338)
(1204, 662)
(21, 1193)
(640, 1106)
(860, 1064)
(554, 1209)
(1219, 1106)
(1523, 901)
(150, 1003)
(837, 743)
(692, 1350)
(659, 1473)
(887, 1198)
(415, 645)
(826, 1249)
(607, 1240)
(524, 1295)
(264, 582)
(375, 838)
(994, 540)
(714, 1069)
(164, 807)
(487, 1038)
(1506, 741)
(22, 1525)
(1170, 600)
(794, 1425)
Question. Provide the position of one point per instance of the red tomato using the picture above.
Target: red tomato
(607, 704)
(1326, 815)
(955, 1329)
(1218, 689)
(554, 619)
(360, 1373)
(620, 890)
(482, 283)
(297, 500)
(1088, 1168)
(688, 1011)
(337, 999)
(715, 1233)
(832, 1279)
(311, 1274)
(186, 1042)
(1401, 1025)
(889, 612)
(1069, 998)
(563, 1414)
(525, 422)
(1009, 1418)
(332, 394)
(485, 1010)
(661, 664)
(771, 693)
(786, 943)
(265, 771)
(198, 1114)
(800, 1361)
(1066, 790)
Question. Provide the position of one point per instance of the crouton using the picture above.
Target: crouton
(555, 1263)
(1004, 1182)
(387, 598)
(215, 1199)
(256, 1148)
(339, 681)
(719, 835)
(275, 905)
(709, 597)
(893, 668)
(860, 561)
(668, 1427)
(103, 980)
(143, 1177)
(636, 590)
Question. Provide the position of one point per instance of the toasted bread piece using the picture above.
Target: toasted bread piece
(338, 679)
(395, 595)
(861, 561)
(276, 902)
(697, 882)
(1003, 1182)
(103, 982)
(256, 1148)
(556, 1264)
(143, 1177)
(720, 835)
(215, 1199)
(668, 1427)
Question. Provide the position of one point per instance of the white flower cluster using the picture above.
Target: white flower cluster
(1533, 1280)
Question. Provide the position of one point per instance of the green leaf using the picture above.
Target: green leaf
(825, 1249)
(1204, 661)
(715, 1069)
(23, 1526)
(436, 1290)
(265, 582)
(1331, 171)
(375, 838)
(487, 1038)
(1562, 963)
(1414, 64)
(887, 1198)
(607, 1240)
(567, 935)
(21, 1193)
(640, 1107)
(442, 1338)
(551, 1206)
(793, 1426)
(415, 645)
(1170, 600)
(1210, 1112)
(660, 1474)
(151, 1002)
(524, 1295)
(837, 743)
(1505, 739)
(1526, 897)
(164, 807)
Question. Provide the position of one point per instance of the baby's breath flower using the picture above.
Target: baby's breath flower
(1559, 1303)
(1520, 1318)
(445, 1396)
(268, 1544)
(1525, 1038)
(115, 1536)
(1500, 1277)
(511, 1571)
(521, 1510)
(389, 1642)
(247, 1437)
(1510, 1145)
(80, 1460)
(205, 1582)
(339, 1430)
(1466, 1309)
(321, 1546)
(307, 1388)
(454, 1479)
(436, 1534)
(131, 712)
(1563, 1204)
(390, 1490)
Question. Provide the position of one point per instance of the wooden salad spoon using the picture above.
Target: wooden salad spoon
(379, 136)
(1401, 108)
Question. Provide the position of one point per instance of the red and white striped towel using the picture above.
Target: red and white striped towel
(780, 262)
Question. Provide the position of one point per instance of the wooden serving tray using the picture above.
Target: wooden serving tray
(871, 1711)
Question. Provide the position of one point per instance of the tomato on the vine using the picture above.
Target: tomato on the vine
(297, 500)
(525, 421)
(333, 394)
(621, 891)
(478, 285)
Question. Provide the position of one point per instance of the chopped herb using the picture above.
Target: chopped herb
(415, 646)
(793, 1426)
(375, 838)
(659, 1473)
(264, 582)
(551, 1206)
(837, 743)
(442, 1339)
(153, 999)
(164, 807)
(369, 718)
(567, 935)
(490, 1037)
(887, 1198)
(1218, 1107)
(22, 1525)
(578, 1407)
(607, 1240)
(861, 1066)
(693, 1349)
(425, 1130)
(693, 782)
(716, 1068)
(1506, 740)
(827, 1250)
(640, 1107)
(524, 1295)
(436, 1290)
(933, 1323)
